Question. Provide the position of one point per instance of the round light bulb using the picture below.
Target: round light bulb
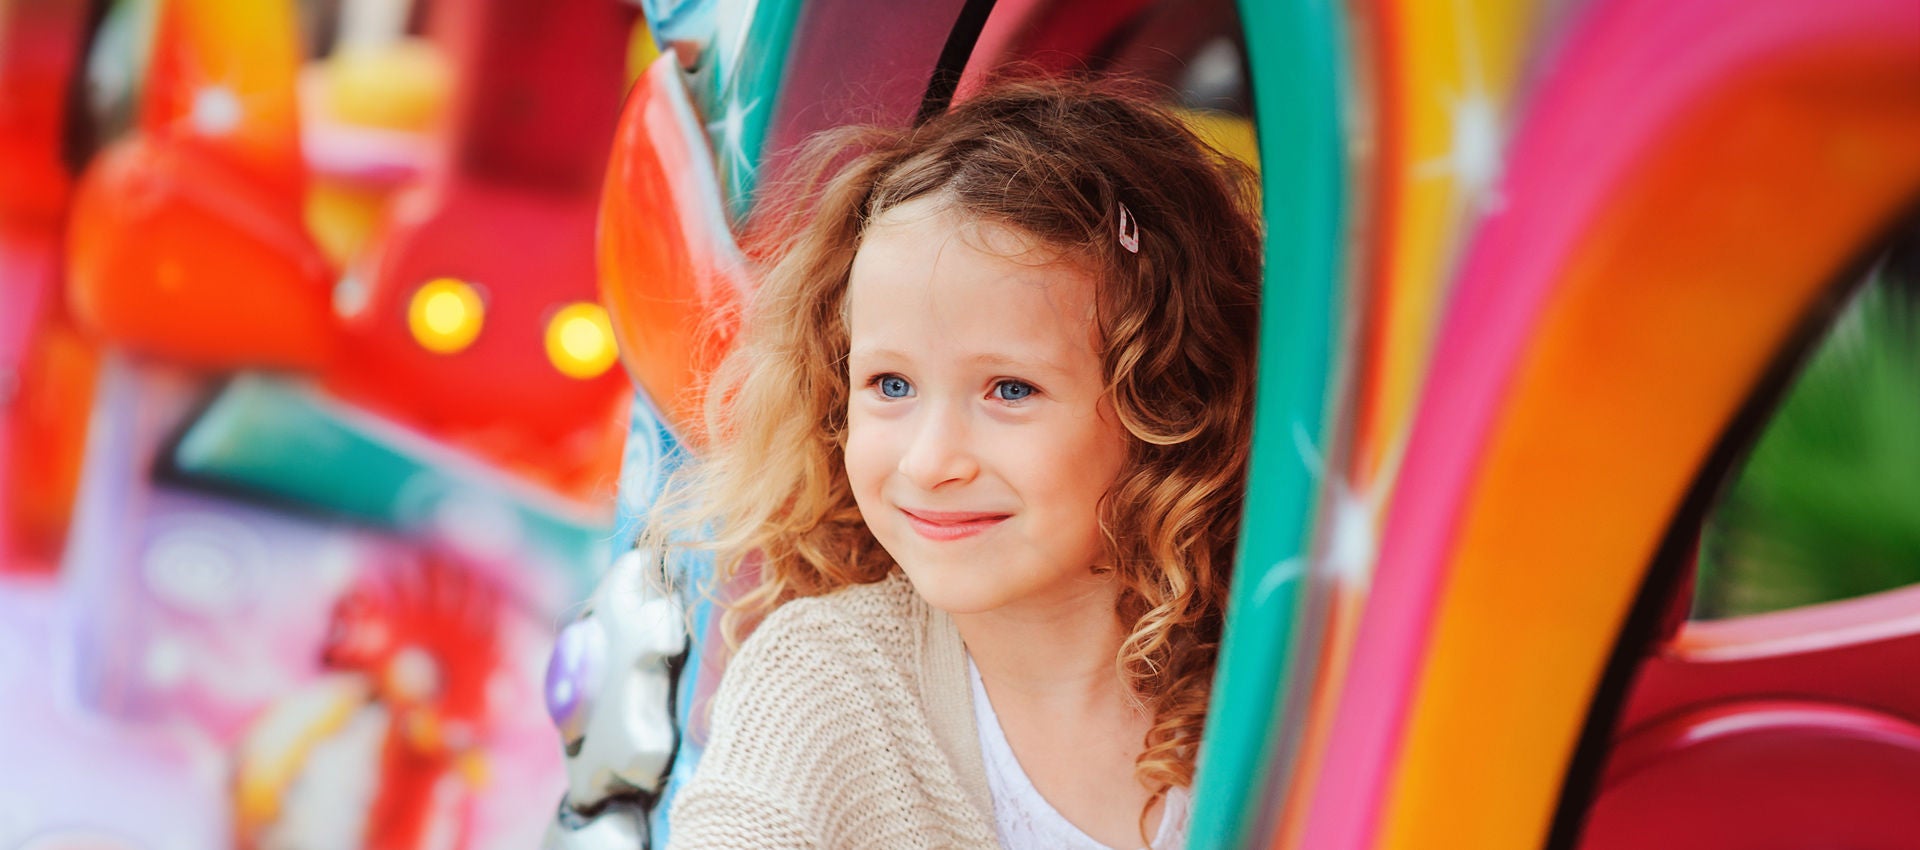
(580, 341)
(445, 315)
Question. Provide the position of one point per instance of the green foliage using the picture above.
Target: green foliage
(1828, 505)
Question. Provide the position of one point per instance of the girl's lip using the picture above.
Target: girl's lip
(951, 525)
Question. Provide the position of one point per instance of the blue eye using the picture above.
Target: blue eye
(1012, 390)
(894, 386)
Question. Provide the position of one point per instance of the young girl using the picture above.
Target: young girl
(984, 440)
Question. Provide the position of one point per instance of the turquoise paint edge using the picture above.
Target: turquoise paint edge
(1295, 51)
(242, 439)
(762, 64)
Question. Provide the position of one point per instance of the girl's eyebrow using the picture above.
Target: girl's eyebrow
(867, 351)
(995, 359)
(991, 359)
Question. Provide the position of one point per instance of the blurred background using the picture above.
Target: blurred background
(315, 428)
(344, 342)
(313, 421)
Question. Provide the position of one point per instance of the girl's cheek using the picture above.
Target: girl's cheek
(871, 447)
(1025, 448)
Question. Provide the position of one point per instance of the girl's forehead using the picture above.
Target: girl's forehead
(927, 260)
(940, 216)
(920, 284)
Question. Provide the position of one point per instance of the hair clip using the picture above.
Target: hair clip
(1129, 230)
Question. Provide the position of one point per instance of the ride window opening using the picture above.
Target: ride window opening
(1827, 505)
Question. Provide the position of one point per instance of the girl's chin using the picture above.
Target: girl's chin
(962, 591)
(956, 591)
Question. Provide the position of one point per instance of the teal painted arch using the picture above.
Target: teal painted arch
(1296, 54)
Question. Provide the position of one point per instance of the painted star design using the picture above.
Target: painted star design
(727, 135)
(1474, 153)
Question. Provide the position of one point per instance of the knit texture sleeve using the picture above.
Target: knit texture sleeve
(720, 813)
(819, 740)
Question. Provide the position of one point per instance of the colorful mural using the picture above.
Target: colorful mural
(300, 585)
(318, 434)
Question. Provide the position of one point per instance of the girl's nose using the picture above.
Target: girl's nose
(937, 452)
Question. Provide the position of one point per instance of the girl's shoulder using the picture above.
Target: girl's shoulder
(827, 655)
(886, 614)
(838, 717)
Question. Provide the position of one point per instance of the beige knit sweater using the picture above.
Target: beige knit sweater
(844, 721)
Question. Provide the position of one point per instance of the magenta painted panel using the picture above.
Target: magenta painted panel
(1760, 775)
(1626, 72)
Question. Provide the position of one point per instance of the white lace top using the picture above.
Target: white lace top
(1024, 819)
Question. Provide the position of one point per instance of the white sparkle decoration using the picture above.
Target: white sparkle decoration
(1474, 154)
(216, 111)
(726, 134)
(350, 296)
(1351, 536)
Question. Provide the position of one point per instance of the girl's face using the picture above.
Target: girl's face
(979, 440)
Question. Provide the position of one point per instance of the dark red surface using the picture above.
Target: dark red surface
(1787, 730)
(1761, 775)
(882, 82)
(539, 88)
(46, 365)
(40, 42)
(1862, 652)
(510, 208)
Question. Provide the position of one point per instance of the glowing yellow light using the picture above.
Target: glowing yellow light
(580, 341)
(445, 315)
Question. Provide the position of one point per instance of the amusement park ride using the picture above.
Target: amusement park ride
(312, 413)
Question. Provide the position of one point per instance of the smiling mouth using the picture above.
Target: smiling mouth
(951, 525)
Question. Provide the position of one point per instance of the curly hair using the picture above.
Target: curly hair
(1177, 321)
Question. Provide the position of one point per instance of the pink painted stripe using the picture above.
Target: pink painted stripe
(1628, 70)
(1824, 627)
